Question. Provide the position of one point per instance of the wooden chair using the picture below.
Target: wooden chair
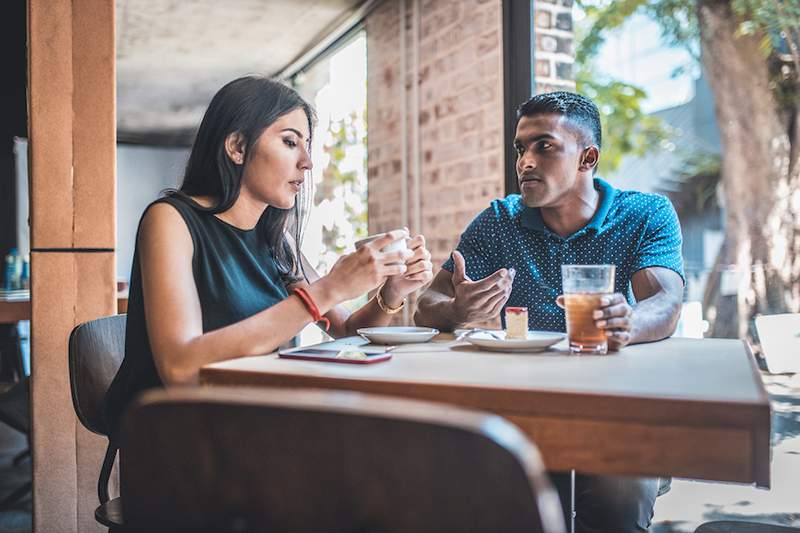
(96, 350)
(221, 459)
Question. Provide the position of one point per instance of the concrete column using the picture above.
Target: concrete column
(72, 133)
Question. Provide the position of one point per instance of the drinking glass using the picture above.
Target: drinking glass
(583, 287)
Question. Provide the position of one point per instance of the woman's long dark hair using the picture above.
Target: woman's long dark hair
(246, 105)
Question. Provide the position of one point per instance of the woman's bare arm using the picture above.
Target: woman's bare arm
(174, 317)
(173, 314)
(344, 323)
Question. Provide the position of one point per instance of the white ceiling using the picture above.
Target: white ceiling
(172, 55)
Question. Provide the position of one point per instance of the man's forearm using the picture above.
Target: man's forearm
(655, 318)
(436, 310)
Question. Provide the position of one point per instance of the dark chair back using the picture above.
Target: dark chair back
(96, 349)
(218, 459)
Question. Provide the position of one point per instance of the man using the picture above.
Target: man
(566, 216)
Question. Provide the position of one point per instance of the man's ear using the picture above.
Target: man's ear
(234, 147)
(590, 158)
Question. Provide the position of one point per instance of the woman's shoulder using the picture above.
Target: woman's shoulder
(174, 209)
(165, 218)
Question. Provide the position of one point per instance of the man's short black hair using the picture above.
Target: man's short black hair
(578, 110)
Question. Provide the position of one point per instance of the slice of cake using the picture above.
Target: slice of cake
(516, 322)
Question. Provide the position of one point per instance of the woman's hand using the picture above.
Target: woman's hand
(419, 272)
(366, 268)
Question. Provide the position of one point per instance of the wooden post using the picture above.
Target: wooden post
(72, 133)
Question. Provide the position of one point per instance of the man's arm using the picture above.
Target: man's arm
(454, 300)
(659, 294)
(659, 297)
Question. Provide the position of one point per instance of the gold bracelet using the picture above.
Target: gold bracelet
(385, 308)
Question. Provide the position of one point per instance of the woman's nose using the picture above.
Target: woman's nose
(305, 161)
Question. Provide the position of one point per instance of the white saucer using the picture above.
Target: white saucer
(398, 334)
(537, 341)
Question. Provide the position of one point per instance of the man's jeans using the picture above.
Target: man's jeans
(608, 504)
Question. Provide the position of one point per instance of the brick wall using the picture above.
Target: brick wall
(385, 93)
(455, 136)
(554, 55)
(452, 92)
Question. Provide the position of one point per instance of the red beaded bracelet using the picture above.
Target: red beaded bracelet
(312, 308)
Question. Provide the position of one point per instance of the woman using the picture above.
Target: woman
(215, 273)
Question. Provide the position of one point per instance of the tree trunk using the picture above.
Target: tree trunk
(760, 257)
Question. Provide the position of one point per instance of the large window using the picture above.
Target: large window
(337, 87)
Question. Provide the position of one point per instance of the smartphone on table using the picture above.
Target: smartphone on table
(359, 355)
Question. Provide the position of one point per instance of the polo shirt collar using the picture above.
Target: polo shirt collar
(604, 206)
(531, 217)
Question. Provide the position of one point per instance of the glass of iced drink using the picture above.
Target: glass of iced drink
(583, 287)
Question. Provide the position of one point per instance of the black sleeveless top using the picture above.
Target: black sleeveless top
(236, 277)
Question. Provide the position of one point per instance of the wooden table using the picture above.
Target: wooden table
(682, 407)
(12, 311)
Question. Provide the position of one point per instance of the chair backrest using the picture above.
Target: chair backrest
(220, 459)
(96, 350)
(779, 336)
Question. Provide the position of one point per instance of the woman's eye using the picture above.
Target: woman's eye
(290, 143)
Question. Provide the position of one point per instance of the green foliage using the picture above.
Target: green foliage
(603, 16)
(337, 183)
(627, 130)
(677, 19)
(345, 134)
(777, 22)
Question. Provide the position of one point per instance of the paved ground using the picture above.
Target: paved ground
(686, 506)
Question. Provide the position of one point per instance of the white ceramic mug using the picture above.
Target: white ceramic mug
(396, 246)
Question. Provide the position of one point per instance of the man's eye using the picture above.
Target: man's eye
(519, 149)
(544, 145)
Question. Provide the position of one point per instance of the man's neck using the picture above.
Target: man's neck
(575, 211)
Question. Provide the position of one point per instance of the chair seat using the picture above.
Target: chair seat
(110, 513)
(730, 526)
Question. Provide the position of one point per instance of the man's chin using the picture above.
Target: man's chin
(532, 200)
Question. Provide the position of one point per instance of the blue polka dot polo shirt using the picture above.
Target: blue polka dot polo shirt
(630, 229)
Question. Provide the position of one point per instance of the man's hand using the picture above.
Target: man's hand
(479, 301)
(615, 317)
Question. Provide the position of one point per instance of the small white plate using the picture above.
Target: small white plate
(398, 334)
(537, 341)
